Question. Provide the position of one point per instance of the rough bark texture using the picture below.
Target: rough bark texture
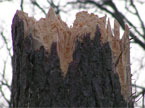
(38, 81)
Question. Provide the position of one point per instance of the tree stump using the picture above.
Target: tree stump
(59, 66)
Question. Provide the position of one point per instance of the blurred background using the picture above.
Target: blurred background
(131, 12)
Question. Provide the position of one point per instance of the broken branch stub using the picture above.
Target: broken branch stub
(52, 29)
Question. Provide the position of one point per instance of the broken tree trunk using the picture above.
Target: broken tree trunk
(81, 66)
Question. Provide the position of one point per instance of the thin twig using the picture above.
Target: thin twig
(3, 94)
(143, 99)
(6, 43)
(56, 7)
(36, 4)
(4, 81)
(143, 88)
(6, 84)
(21, 5)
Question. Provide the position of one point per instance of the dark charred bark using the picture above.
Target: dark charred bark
(38, 82)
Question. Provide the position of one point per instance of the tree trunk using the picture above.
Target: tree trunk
(91, 79)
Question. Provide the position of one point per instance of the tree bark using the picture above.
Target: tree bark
(91, 80)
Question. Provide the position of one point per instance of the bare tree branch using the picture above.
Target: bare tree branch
(6, 43)
(3, 95)
(143, 88)
(57, 7)
(143, 95)
(4, 81)
(37, 4)
(4, 84)
(139, 17)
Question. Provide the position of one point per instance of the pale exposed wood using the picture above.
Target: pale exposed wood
(126, 63)
(102, 25)
(28, 22)
(116, 30)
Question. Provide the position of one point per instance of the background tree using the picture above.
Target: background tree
(108, 7)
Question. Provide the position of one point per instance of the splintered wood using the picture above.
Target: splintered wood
(53, 29)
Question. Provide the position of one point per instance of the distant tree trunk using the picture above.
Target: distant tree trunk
(91, 80)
